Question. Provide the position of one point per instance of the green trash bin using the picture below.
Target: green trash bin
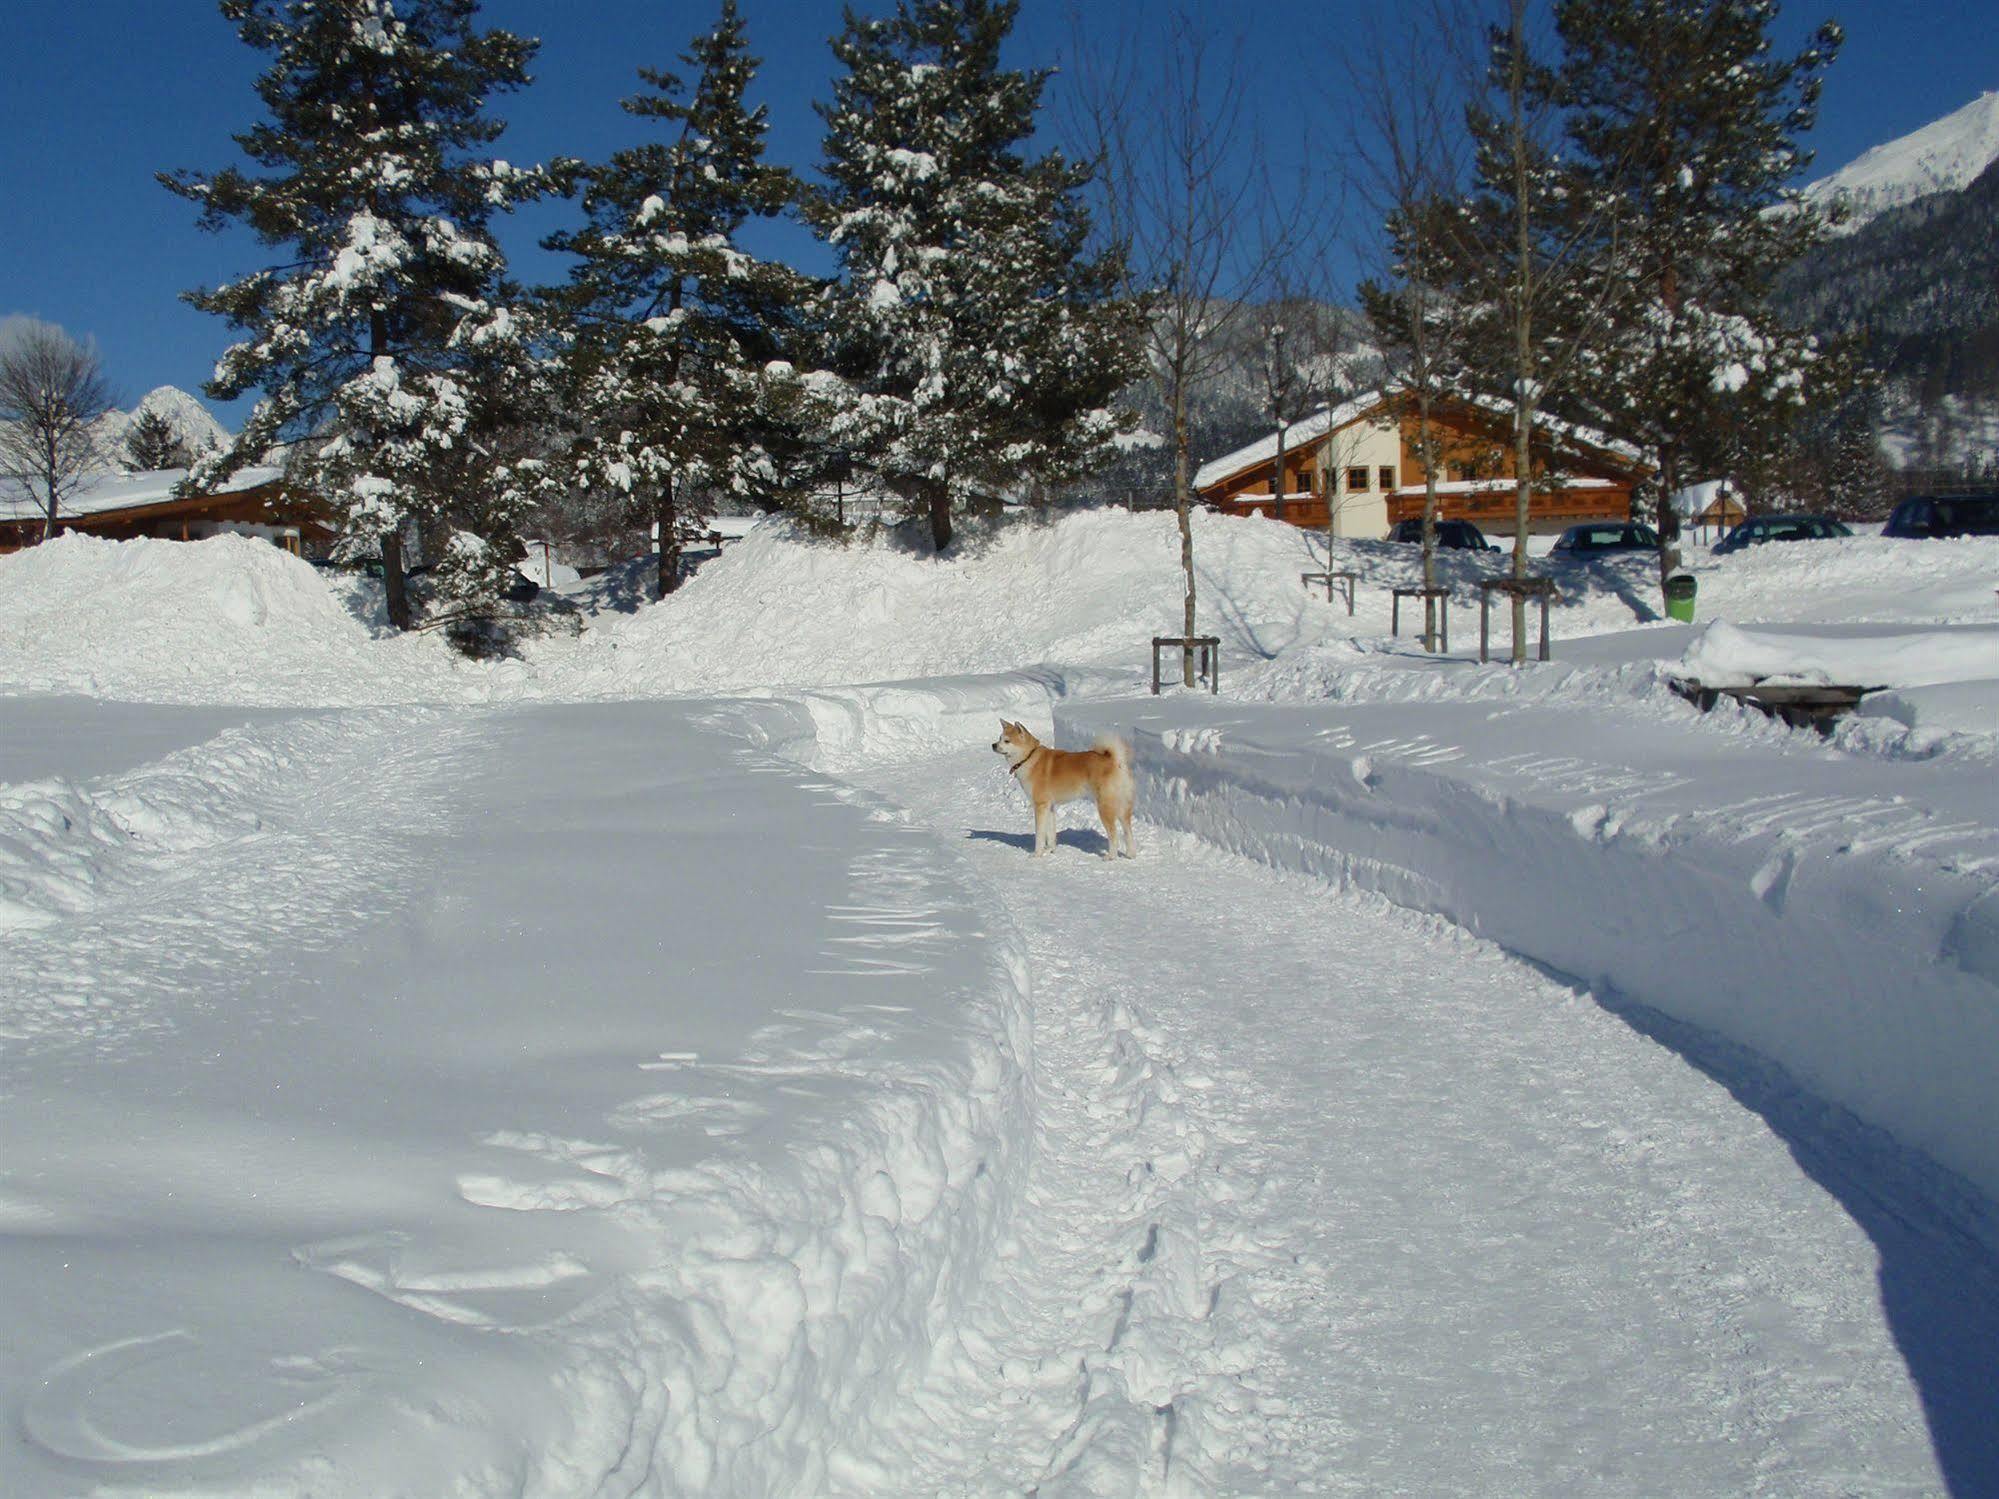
(1680, 589)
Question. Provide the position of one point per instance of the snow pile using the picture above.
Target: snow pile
(869, 723)
(1875, 579)
(779, 610)
(544, 567)
(1725, 656)
(60, 843)
(68, 842)
(234, 620)
(1948, 714)
(229, 619)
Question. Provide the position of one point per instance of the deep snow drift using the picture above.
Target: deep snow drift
(464, 1140)
(232, 620)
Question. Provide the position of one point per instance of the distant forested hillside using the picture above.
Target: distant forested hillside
(1917, 289)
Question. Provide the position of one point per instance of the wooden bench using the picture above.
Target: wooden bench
(1801, 706)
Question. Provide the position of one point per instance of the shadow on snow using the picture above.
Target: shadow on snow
(1938, 1238)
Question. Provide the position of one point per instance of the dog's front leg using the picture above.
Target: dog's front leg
(1044, 830)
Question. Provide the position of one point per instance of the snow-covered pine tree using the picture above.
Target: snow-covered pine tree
(980, 337)
(152, 443)
(388, 286)
(1859, 485)
(1682, 112)
(677, 329)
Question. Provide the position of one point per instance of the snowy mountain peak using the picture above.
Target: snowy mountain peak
(188, 418)
(1944, 156)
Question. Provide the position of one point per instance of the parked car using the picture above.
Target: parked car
(1926, 515)
(1761, 528)
(1593, 537)
(1458, 535)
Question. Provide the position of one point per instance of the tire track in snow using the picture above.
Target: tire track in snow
(1330, 1197)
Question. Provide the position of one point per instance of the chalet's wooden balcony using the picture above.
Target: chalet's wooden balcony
(1492, 505)
(1304, 509)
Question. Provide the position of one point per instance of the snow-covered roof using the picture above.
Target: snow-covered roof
(1554, 426)
(1331, 419)
(1321, 422)
(1695, 500)
(126, 492)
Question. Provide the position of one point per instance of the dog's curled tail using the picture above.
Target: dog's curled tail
(1120, 754)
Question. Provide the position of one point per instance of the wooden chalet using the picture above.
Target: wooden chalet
(1713, 506)
(122, 506)
(1359, 465)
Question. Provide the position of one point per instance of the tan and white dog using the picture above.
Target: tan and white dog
(1053, 776)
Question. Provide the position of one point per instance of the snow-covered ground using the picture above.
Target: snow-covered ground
(652, 1064)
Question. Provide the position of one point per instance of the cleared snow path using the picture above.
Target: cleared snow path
(1332, 1197)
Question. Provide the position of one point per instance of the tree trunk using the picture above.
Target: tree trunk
(1523, 463)
(1524, 394)
(939, 496)
(394, 585)
(1329, 486)
(1426, 445)
(1183, 504)
(1669, 460)
(1669, 518)
(667, 514)
(1277, 480)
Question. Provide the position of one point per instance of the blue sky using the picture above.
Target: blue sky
(99, 98)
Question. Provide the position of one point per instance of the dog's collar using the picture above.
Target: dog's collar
(1023, 764)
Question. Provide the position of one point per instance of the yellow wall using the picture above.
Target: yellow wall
(1361, 513)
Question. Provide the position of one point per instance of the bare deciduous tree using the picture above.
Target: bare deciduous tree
(1164, 117)
(1410, 168)
(1534, 253)
(52, 395)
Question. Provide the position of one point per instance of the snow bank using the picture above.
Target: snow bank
(1855, 579)
(780, 610)
(1839, 916)
(230, 619)
(234, 620)
(66, 843)
(1725, 656)
(872, 723)
(1937, 714)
